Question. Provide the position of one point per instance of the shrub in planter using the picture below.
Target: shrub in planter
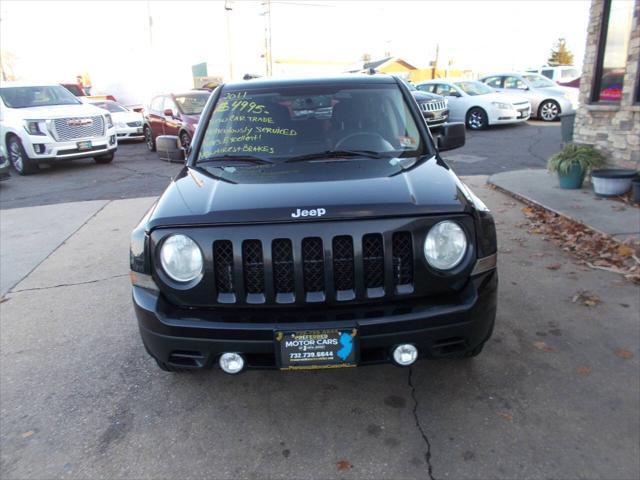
(573, 162)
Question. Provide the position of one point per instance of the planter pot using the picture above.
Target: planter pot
(573, 178)
(611, 182)
(635, 185)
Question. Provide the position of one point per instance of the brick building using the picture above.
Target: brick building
(609, 113)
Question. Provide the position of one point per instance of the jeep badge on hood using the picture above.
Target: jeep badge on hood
(315, 212)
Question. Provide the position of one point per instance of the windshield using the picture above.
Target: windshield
(474, 88)
(22, 97)
(318, 121)
(192, 104)
(113, 107)
(538, 81)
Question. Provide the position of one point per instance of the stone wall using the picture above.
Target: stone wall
(613, 129)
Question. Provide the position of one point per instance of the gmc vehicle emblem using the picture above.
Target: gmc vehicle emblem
(79, 122)
(316, 212)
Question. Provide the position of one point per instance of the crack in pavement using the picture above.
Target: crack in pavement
(91, 217)
(427, 454)
(69, 284)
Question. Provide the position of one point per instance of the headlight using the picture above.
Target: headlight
(109, 120)
(33, 127)
(445, 245)
(181, 258)
(502, 106)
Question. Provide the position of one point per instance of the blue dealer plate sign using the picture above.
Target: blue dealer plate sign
(310, 349)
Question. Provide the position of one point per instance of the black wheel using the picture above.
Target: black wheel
(108, 158)
(477, 119)
(185, 140)
(549, 110)
(149, 140)
(18, 157)
(169, 368)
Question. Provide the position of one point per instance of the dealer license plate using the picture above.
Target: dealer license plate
(311, 349)
(86, 145)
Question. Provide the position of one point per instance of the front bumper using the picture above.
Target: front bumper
(129, 133)
(503, 116)
(439, 327)
(436, 118)
(43, 148)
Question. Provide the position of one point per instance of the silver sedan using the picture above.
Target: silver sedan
(548, 99)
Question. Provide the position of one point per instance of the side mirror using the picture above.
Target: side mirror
(169, 148)
(451, 136)
(453, 93)
(168, 113)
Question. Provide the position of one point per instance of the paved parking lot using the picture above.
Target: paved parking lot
(554, 395)
(137, 173)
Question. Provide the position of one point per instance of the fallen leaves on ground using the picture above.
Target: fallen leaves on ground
(595, 250)
(584, 370)
(506, 415)
(623, 353)
(27, 434)
(553, 266)
(544, 347)
(587, 298)
(344, 464)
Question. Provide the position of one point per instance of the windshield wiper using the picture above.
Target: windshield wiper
(235, 158)
(336, 154)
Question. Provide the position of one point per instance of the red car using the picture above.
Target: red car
(174, 114)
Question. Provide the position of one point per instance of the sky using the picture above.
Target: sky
(114, 43)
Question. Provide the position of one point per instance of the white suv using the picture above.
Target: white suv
(45, 123)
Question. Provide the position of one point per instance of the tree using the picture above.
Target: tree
(560, 54)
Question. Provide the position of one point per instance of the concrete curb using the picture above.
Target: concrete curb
(530, 201)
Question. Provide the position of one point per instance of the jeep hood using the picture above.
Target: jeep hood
(196, 197)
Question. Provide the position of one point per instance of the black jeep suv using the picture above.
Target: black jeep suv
(315, 225)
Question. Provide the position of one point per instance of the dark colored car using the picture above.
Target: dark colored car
(75, 88)
(5, 165)
(174, 114)
(434, 107)
(300, 241)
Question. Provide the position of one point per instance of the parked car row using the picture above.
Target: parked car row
(503, 98)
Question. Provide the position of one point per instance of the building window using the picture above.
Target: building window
(615, 34)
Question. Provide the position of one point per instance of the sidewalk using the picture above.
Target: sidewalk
(611, 217)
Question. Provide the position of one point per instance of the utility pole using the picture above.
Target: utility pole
(434, 69)
(267, 40)
(228, 9)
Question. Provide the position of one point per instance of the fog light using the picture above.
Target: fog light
(405, 355)
(231, 362)
(112, 140)
(38, 148)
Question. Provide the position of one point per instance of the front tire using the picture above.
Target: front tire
(477, 119)
(102, 159)
(18, 157)
(149, 140)
(185, 140)
(549, 110)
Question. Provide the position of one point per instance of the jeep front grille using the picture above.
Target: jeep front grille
(342, 267)
(433, 106)
(65, 129)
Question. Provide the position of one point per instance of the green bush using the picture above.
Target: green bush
(571, 154)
